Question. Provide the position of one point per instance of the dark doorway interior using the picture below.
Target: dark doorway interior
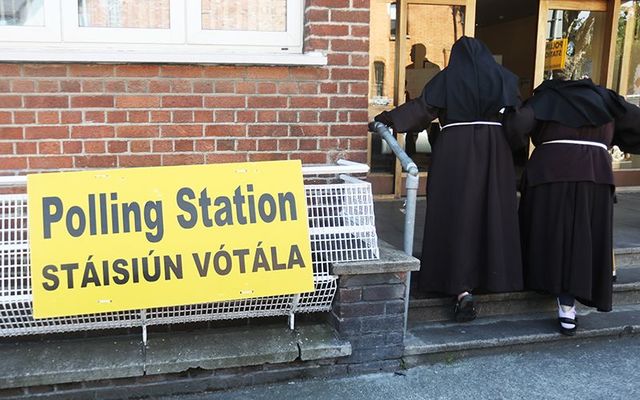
(510, 33)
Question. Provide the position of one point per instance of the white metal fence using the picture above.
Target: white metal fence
(341, 227)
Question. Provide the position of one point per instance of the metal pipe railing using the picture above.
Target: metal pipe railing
(412, 191)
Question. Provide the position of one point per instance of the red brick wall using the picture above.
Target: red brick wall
(75, 116)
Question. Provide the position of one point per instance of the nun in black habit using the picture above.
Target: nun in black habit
(471, 228)
(566, 208)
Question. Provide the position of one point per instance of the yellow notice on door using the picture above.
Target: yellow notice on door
(124, 239)
(555, 54)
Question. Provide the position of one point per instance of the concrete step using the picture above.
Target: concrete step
(626, 257)
(61, 361)
(436, 342)
(626, 291)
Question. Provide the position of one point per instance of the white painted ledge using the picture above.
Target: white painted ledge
(154, 54)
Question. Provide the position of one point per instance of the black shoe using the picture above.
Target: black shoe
(465, 310)
(568, 321)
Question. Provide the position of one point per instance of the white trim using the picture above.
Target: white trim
(471, 123)
(152, 54)
(13, 180)
(73, 32)
(289, 40)
(342, 167)
(583, 142)
(49, 32)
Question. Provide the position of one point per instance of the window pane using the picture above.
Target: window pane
(124, 13)
(627, 69)
(431, 31)
(245, 15)
(22, 12)
(576, 44)
(627, 62)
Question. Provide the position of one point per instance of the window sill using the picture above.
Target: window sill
(158, 54)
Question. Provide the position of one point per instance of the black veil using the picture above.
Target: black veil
(473, 86)
(575, 103)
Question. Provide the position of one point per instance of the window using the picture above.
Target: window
(123, 21)
(272, 23)
(22, 13)
(153, 31)
(29, 20)
(392, 20)
(554, 24)
(378, 70)
(627, 70)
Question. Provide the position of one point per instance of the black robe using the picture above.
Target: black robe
(471, 228)
(566, 209)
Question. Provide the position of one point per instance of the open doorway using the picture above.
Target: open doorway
(510, 34)
(410, 42)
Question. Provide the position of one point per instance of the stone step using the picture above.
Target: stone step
(436, 342)
(626, 257)
(626, 291)
(62, 361)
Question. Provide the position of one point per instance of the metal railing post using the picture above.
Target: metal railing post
(412, 192)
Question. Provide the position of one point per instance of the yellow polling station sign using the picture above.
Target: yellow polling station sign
(122, 239)
(555, 54)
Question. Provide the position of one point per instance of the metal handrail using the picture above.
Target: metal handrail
(384, 131)
(412, 191)
(411, 184)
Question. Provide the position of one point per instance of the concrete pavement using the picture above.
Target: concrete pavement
(591, 370)
(586, 370)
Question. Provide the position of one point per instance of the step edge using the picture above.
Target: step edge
(626, 250)
(416, 350)
(508, 296)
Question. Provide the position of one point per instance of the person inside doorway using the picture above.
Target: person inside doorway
(566, 208)
(471, 238)
(417, 75)
(419, 72)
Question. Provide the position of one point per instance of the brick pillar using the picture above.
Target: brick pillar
(369, 309)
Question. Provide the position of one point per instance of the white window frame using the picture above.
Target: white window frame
(289, 40)
(73, 32)
(50, 31)
(63, 40)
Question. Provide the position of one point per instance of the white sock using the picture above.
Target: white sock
(567, 312)
(461, 295)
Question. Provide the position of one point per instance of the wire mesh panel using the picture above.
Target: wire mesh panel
(14, 252)
(16, 318)
(341, 228)
(321, 298)
(341, 224)
(16, 314)
(244, 308)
